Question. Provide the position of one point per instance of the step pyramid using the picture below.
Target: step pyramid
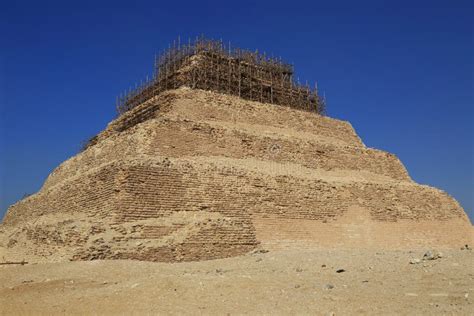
(194, 175)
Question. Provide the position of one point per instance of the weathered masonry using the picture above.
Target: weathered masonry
(195, 175)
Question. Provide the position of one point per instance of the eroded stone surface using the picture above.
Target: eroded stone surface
(193, 175)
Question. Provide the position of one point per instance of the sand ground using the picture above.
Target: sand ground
(285, 282)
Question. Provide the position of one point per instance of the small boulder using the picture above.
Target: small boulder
(432, 255)
(328, 287)
(259, 251)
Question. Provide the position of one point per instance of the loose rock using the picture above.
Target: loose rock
(328, 287)
(432, 255)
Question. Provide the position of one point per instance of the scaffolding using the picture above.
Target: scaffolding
(211, 65)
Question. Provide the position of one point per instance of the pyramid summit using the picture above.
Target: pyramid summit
(221, 153)
(211, 65)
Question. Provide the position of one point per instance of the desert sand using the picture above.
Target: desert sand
(285, 282)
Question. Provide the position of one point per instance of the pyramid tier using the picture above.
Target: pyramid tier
(174, 209)
(181, 124)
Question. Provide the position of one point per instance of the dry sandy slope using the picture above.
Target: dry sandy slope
(291, 282)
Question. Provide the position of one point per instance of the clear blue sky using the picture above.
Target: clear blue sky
(400, 71)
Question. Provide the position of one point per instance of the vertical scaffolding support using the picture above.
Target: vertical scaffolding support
(210, 65)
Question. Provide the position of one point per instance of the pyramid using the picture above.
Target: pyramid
(190, 174)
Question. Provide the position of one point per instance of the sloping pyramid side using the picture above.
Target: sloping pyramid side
(193, 175)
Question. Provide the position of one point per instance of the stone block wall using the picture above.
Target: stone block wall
(194, 175)
(93, 193)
